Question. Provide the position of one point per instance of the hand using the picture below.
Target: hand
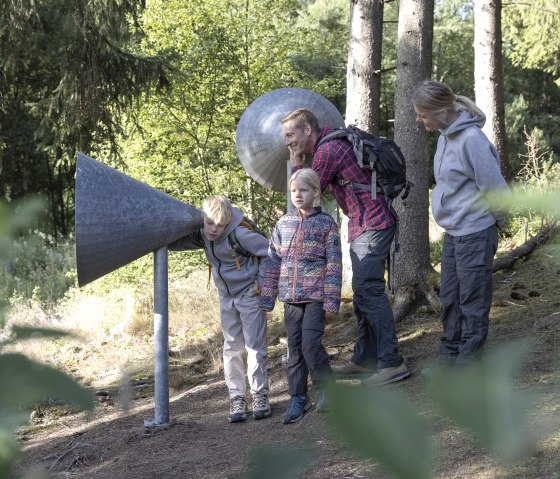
(297, 159)
(256, 289)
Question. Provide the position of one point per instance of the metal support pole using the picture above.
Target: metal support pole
(161, 339)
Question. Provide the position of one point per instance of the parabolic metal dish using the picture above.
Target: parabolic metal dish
(260, 144)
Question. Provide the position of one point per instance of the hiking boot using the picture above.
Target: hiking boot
(296, 409)
(237, 409)
(322, 404)
(387, 375)
(350, 368)
(261, 406)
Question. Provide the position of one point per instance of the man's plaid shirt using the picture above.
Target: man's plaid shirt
(336, 160)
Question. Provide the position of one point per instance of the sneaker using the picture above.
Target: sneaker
(296, 409)
(261, 406)
(237, 409)
(322, 404)
(350, 368)
(387, 375)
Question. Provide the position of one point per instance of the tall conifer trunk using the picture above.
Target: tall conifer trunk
(414, 61)
(488, 74)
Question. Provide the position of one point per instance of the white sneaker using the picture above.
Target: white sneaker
(261, 406)
(237, 409)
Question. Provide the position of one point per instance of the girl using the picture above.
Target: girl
(466, 165)
(304, 270)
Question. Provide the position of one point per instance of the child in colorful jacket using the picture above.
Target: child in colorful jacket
(304, 270)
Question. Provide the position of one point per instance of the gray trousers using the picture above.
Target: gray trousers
(376, 345)
(466, 293)
(244, 329)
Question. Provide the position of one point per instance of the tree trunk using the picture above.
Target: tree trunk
(488, 74)
(363, 84)
(412, 271)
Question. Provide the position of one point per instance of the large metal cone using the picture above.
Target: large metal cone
(260, 144)
(119, 219)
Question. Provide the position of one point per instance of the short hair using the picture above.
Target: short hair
(303, 117)
(434, 97)
(218, 209)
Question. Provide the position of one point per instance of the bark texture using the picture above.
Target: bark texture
(414, 60)
(364, 64)
(488, 74)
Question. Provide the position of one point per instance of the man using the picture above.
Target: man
(371, 229)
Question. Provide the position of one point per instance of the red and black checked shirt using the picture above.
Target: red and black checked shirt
(336, 159)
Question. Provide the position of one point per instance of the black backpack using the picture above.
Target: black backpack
(379, 155)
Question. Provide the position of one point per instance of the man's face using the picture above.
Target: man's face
(213, 230)
(299, 141)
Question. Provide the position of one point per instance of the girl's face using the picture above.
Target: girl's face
(213, 230)
(303, 196)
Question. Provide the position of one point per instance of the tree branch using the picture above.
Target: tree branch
(542, 236)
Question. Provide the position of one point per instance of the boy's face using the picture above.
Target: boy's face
(213, 230)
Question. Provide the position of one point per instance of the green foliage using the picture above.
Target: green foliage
(531, 31)
(383, 425)
(39, 268)
(68, 70)
(483, 398)
(24, 382)
(279, 463)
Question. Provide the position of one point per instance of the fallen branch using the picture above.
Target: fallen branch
(542, 236)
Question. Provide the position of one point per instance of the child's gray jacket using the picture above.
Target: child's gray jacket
(230, 280)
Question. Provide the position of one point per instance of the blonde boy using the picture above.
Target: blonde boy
(243, 324)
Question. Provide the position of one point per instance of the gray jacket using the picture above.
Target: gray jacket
(466, 165)
(228, 279)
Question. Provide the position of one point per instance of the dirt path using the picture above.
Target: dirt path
(200, 443)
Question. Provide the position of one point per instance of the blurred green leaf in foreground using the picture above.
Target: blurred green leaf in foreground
(483, 398)
(24, 382)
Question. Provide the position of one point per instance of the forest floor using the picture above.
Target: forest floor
(199, 442)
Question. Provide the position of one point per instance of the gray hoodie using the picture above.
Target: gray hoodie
(466, 165)
(228, 279)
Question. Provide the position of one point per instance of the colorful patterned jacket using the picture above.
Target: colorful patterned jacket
(304, 261)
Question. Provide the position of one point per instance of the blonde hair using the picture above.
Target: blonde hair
(218, 209)
(433, 97)
(303, 117)
(310, 178)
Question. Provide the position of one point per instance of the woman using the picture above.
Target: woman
(466, 166)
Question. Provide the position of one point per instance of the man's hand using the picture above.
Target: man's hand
(297, 159)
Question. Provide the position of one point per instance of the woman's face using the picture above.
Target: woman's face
(431, 121)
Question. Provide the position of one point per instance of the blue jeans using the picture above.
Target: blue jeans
(376, 345)
(466, 293)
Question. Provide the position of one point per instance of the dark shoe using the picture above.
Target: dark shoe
(350, 368)
(261, 406)
(387, 375)
(322, 404)
(237, 409)
(298, 406)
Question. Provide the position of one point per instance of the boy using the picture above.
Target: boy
(243, 323)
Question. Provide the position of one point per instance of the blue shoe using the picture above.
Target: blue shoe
(296, 409)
